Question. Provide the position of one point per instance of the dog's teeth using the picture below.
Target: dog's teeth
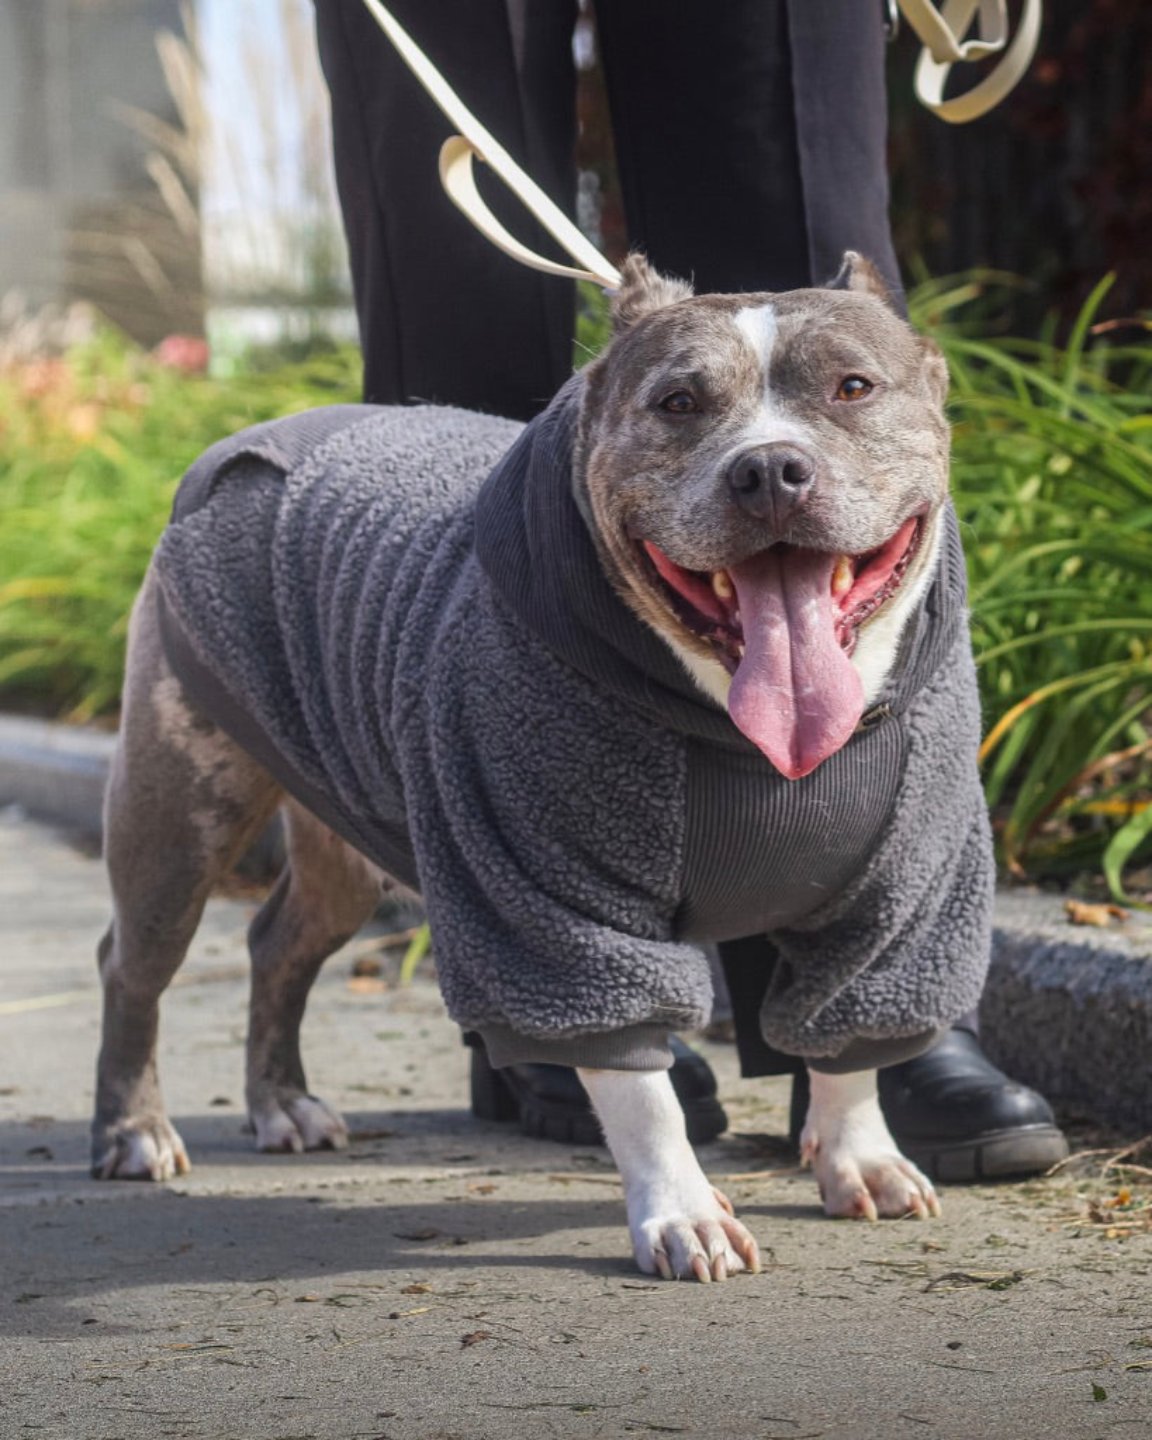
(842, 576)
(740, 648)
(722, 585)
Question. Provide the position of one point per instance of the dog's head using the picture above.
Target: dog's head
(763, 474)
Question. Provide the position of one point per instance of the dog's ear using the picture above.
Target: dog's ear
(862, 276)
(935, 369)
(643, 290)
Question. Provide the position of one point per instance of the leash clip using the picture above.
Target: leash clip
(871, 718)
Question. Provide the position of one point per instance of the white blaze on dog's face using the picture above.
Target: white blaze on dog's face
(763, 474)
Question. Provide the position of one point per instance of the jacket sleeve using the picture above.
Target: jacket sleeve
(549, 828)
(905, 949)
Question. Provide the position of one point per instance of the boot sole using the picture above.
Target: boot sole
(996, 1155)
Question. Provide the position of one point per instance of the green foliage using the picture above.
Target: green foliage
(1052, 473)
(593, 322)
(91, 448)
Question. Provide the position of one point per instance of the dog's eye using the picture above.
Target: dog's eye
(680, 402)
(854, 387)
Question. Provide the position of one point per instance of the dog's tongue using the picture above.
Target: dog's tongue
(795, 694)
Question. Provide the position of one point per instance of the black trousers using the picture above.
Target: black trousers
(750, 138)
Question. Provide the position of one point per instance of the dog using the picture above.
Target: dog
(691, 663)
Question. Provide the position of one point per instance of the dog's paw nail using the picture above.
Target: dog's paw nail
(295, 1123)
(700, 1270)
(723, 1201)
(917, 1206)
(663, 1265)
(719, 1268)
(142, 1150)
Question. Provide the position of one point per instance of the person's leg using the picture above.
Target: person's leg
(750, 137)
(443, 315)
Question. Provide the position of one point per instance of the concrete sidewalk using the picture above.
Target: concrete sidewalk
(445, 1278)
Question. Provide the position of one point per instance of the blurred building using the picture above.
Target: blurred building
(80, 214)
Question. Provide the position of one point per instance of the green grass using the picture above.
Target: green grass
(1052, 475)
(90, 452)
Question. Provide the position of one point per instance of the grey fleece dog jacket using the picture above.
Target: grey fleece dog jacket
(402, 615)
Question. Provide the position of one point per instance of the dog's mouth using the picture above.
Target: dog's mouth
(784, 623)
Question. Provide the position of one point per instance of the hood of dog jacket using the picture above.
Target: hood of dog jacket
(420, 644)
(534, 544)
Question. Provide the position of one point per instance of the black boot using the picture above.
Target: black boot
(957, 1116)
(550, 1102)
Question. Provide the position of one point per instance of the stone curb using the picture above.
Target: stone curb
(55, 772)
(1067, 1010)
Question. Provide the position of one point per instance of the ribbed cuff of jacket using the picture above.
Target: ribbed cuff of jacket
(864, 1054)
(637, 1047)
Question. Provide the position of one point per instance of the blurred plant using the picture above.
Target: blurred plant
(271, 225)
(245, 172)
(91, 447)
(1052, 474)
(27, 335)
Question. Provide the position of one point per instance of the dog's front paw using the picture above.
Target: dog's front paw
(870, 1185)
(289, 1121)
(858, 1168)
(143, 1149)
(861, 1173)
(694, 1236)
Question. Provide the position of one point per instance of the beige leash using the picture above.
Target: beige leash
(937, 29)
(458, 179)
(941, 32)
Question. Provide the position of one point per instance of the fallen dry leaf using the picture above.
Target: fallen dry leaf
(366, 985)
(1080, 912)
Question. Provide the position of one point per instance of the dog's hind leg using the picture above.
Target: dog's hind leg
(183, 801)
(327, 891)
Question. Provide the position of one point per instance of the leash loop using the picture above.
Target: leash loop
(458, 179)
(939, 31)
(459, 182)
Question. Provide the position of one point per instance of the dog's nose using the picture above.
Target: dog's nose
(770, 481)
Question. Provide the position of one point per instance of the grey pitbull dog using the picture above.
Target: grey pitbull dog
(760, 484)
